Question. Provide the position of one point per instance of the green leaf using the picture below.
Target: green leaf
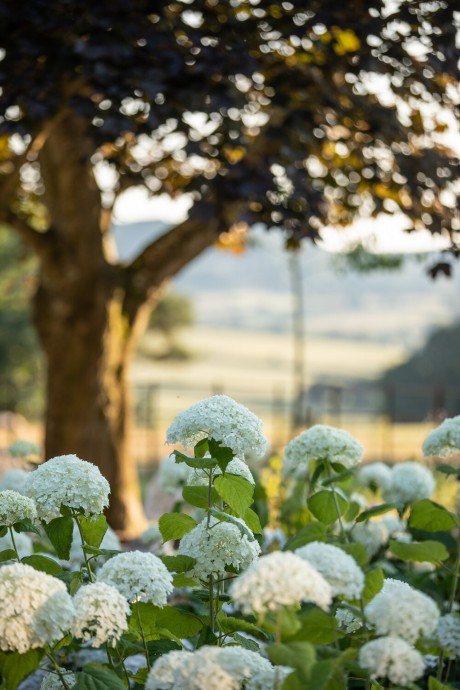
(323, 506)
(431, 517)
(181, 623)
(221, 453)
(430, 551)
(435, 684)
(144, 617)
(197, 463)
(252, 520)
(373, 583)
(231, 624)
(235, 491)
(7, 555)
(3, 531)
(294, 681)
(157, 648)
(298, 655)
(338, 477)
(201, 448)
(181, 580)
(225, 517)
(199, 496)
(44, 564)
(246, 642)
(447, 469)
(93, 528)
(15, 667)
(375, 510)
(323, 672)
(175, 525)
(357, 551)
(178, 564)
(97, 677)
(317, 627)
(314, 531)
(26, 526)
(285, 620)
(60, 533)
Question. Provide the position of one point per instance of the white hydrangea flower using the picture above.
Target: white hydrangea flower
(14, 479)
(23, 449)
(444, 440)
(189, 671)
(217, 548)
(375, 475)
(393, 658)
(138, 576)
(221, 418)
(347, 620)
(67, 480)
(240, 663)
(172, 475)
(268, 679)
(35, 608)
(198, 477)
(361, 500)
(51, 681)
(152, 533)
(24, 544)
(320, 443)
(395, 526)
(101, 614)
(410, 482)
(402, 611)
(372, 535)
(337, 567)
(109, 541)
(14, 507)
(279, 579)
(448, 634)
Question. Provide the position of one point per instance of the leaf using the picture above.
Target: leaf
(324, 508)
(338, 477)
(221, 453)
(435, 684)
(285, 621)
(375, 510)
(144, 617)
(314, 531)
(430, 551)
(252, 520)
(201, 448)
(246, 642)
(26, 526)
(323, 672)
(199, 496)
(357, 551)
(373, 583)
(15, 667)
(225, 517)
(175, 525)
(231, 624)
(197, 463)
(97, 677)
(298, 655)
(60, 533)
(431, 517)
(93, 529)
(157, 648)
(178, 564)
(7, 555)
(447, 469)
(235, 491)
(44, 564)
(181, 580)
(317, 627)
(181, 623)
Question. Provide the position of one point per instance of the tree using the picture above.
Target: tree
(261, 111)
(173, 311)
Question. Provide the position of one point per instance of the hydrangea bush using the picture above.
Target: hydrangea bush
(358, 591)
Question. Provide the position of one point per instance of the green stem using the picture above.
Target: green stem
(58, 671)
(449, 666)
(211, 602)
(336, 503)
(14, 543)
(149, 666)
(453, 593)
(279, 613)
(83, 545)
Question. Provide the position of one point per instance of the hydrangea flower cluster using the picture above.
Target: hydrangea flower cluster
(448, 634)
(277, 580)
(341, 570)
(67, 480)
(217, 547)
(410, 482)
(221, 418)
(35, 608)
(24, 449)
(393, 658)
(444, 440)
(14, 479)
(375, 476)
(372, 535)
(101, 614)
(51, 681)
(402, 611)
(198, 477)
(172, 475)
(320, 443)
(14, 507)
(240, 663)
(138, 576)
(189, 671)
(347, 620)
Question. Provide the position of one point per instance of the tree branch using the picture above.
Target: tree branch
(39, 242)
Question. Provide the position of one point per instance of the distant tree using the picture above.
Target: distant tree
(296, 114)
(20, 356)
(426, 386)
(173, 312)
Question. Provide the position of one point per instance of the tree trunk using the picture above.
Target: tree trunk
(88, 344)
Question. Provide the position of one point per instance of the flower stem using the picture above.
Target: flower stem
(83, 545)
(149, 666)
(14, 543)
(58, 671)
